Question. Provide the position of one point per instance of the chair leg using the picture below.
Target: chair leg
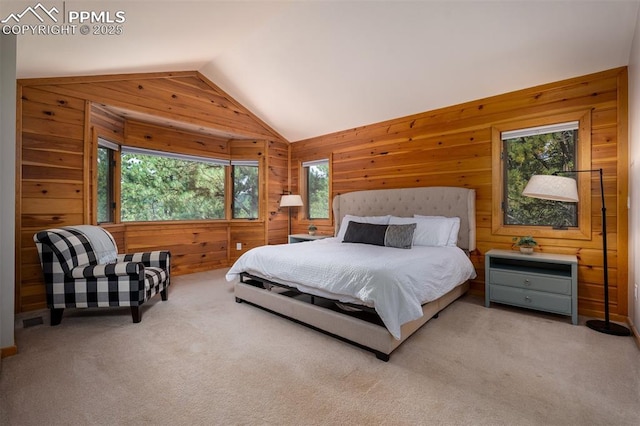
(56, 316)
(164, 293)
(136, 314)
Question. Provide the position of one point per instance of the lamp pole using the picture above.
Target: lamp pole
(598, 325)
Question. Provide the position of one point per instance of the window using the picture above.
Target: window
(539, 150)
(105, 175)
(245, 189)
(165, 186)
(542, 145)
(316, 175)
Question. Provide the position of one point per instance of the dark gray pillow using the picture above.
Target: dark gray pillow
(365, 233)
(398, 236)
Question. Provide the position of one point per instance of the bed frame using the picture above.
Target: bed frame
(362, 328)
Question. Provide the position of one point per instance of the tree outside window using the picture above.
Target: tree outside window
(245, 189)
(317, 185)
(538, 151)
(157, 186)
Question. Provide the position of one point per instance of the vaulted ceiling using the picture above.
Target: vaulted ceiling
(308, 68)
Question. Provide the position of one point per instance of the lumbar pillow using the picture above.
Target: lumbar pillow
(400, 236)
(397, 236)
(365, 233)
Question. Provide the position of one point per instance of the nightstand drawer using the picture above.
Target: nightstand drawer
(540, 282)
(531, 299)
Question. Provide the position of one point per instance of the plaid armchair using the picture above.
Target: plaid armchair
(82, 269)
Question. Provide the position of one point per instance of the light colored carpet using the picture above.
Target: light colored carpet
(201, 359)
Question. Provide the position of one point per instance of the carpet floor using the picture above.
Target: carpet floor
(202, 359)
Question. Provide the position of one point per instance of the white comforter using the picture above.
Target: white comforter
(396, 282)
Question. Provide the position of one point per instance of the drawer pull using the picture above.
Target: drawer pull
(527, 282)
(527, 298)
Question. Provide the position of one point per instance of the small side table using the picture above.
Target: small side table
(301, 238)
(543, 281)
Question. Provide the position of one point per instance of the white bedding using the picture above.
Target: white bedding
(396, 282)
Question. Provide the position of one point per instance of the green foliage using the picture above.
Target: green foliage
(526, 241)
(541, 154)
(318, 191)
(162, 188)
(245, 192)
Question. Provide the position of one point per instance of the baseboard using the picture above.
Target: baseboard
(8, 351)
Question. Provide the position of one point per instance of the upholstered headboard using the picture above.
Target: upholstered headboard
(428, 201)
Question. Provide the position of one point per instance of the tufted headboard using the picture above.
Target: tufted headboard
(446, 201)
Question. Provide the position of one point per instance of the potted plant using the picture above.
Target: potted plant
(526, 244)
(312, 229)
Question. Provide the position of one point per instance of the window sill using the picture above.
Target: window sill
(542, 232)
(190, 222)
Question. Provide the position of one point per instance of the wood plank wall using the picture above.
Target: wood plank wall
(51, 179)
(452, 147)
(59, 122)
(277, 183)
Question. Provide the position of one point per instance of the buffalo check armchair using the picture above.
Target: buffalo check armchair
(82, 270)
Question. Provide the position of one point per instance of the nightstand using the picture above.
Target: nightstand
(300, 238)
(542, 281)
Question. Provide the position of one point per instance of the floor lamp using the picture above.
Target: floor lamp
(290, 201)
(559, 188)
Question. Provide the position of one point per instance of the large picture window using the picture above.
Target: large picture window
(246, 182)
(316, 174)
(163, 186)
(539, 150)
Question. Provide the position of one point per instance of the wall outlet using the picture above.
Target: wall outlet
(238, 246)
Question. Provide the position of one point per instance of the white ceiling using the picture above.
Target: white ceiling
(309, 68)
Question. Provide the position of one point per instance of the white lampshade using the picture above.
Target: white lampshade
(291, 201)
(551, 187)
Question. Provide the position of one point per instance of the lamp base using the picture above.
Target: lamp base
(608, 328)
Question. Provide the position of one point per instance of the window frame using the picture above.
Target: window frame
(254, 157)
(241, 163)
(584, 180)
(224, 162)
(304, 179)
(112, 189)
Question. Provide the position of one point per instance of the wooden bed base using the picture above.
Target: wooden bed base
(352, 328)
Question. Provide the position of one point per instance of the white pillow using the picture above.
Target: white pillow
(429, 231)
(452, 239)
(376, 220)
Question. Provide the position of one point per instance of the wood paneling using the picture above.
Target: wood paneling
(59, 123)
(277, 183)
(51, 178)
(249, 235)
(183, 99)
(143, 135)
(184, 111)
(452, 146)
(194, 247)
(107, 124)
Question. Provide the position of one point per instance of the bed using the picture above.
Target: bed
(371, 295)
